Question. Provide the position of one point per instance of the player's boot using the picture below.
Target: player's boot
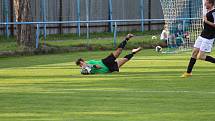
(186, 75)
(124, 42)
(134, 51)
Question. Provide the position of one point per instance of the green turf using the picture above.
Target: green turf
(7, 44)
(148, 88)
(96, 40)
(103, 39)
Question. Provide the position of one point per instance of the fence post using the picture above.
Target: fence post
(37, 36)
(87, 16)
(44, 19)
(142, 14)
(61, 16)
(110, 15)
(11, 17)
(149, 13)
(7, 26)
(5, 5)
(115, 34)
(78, 18)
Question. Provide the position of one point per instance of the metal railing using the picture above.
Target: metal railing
(114, 24)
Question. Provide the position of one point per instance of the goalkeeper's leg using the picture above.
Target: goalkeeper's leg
(128, 57)
(122, 45)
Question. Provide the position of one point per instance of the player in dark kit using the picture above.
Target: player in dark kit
(108, 64)
(204, 43)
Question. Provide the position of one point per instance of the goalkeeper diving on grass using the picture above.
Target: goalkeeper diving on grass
(110, 63)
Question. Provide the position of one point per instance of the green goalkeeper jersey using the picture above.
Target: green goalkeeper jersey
(102, 70)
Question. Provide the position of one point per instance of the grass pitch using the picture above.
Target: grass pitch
(148, 88)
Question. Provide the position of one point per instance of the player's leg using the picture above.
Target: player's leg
(128, 57)
(201, 55)
(191, 64)
(204, 45)
(206, 48)
(210, 59)
(110, 61)
(193, 58)
(122, 45)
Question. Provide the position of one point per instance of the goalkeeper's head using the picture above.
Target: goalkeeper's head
(80, 62)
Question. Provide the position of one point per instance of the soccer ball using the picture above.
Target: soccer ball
(158, 48)
(154, 37)
(86, 70)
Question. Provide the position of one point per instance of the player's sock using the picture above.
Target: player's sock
(191, 64)
(123, 44)
(210, 59)
(134, 51)
(129, 56)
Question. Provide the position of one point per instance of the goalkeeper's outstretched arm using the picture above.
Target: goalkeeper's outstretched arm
(97, 66)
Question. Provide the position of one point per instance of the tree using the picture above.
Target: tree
(25, 35)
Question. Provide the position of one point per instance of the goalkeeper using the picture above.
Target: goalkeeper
(108, 64)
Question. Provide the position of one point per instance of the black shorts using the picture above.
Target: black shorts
(111, 63)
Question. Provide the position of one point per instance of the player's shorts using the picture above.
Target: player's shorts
(111, 63)
(205, 45)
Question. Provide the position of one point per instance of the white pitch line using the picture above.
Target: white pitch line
(141, 91)
(116, 90)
